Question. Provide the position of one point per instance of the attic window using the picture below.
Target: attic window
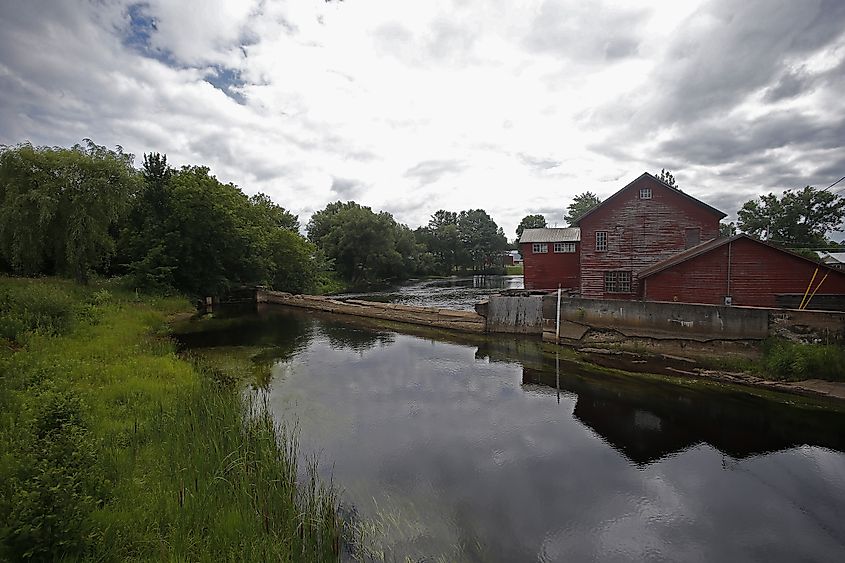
(539, 248)
(645, 193)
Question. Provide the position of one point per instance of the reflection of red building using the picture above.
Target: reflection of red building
(652, 241)
(550, 257)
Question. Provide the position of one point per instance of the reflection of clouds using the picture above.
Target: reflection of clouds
(461, 455)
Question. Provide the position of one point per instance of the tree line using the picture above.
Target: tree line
(86, 210)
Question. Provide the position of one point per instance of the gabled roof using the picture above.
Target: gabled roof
(698, 202)
(712, 244)
(564, 234)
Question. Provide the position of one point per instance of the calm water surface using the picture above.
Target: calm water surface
(471, 449)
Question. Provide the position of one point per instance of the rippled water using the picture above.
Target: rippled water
(450, 293)
(464, 448)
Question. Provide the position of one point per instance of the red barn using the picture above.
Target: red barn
(550, 257)
(645, 222)
(748, 272)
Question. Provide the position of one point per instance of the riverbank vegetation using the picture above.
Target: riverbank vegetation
(86, 211)
(113, 447)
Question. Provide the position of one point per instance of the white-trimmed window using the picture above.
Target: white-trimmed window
(539, 248)
(617, 282)
(567, 247)
(601, 241)
(645, 193)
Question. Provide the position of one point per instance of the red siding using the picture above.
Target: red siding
(546, 271)
(640, 232)
(758, 273)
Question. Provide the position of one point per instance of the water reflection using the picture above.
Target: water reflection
(468, 448)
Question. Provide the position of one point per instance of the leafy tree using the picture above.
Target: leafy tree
(482, 239)
(581, 204)
(59, 207)
(799, 218)
(530, 222)
(365, 246)
(440, 238)
(727, 230)
(666, 177)
(209, 237)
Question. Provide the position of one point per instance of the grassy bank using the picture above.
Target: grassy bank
(114, 448)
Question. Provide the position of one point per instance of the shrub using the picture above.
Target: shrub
(793, 361)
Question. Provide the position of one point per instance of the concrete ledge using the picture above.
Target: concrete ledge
(465, 321)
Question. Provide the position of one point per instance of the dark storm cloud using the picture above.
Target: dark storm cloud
(346, 189)
(790, 85)
(742, 47)
(587, 32)
(725, 142)
(430, 171)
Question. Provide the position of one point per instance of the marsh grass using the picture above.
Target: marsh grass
(115, 448)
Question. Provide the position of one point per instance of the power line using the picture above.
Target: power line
(836, 182)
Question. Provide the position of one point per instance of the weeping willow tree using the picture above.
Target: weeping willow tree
(59, 207)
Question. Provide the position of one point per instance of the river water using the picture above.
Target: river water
(470, 448)
(459, 293)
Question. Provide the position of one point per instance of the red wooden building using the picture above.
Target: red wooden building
(654, 242)
(645, 222)
(746, 271)
(550, 257)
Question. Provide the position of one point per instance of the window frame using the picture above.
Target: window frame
(646, 193)
(601, 242)
(617, 281)
(539, 248)
(565, 248)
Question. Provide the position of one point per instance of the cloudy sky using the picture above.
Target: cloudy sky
(414, 106)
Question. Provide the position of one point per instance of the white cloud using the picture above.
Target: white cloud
(531, 103)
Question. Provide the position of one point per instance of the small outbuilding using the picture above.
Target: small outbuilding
(741, 270)
(551, 257)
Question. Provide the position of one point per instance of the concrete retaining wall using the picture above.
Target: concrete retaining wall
(523, 315)
(442, 318)
(658, 320)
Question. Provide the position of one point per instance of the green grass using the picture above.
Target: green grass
(514, 270)
(115, 448)
(794, 361)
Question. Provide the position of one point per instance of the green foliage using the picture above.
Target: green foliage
(363, 245)
(795, 361)
(581, 204)
(482, 239)
(667, 177)
(727, 230)
(799, 218)
(34, 308)
(530, 222)
(57, 483)
(113, 448)
(192, 233)
(58, 207)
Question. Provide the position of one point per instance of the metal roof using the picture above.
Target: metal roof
(833, 257)
(564, 234)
